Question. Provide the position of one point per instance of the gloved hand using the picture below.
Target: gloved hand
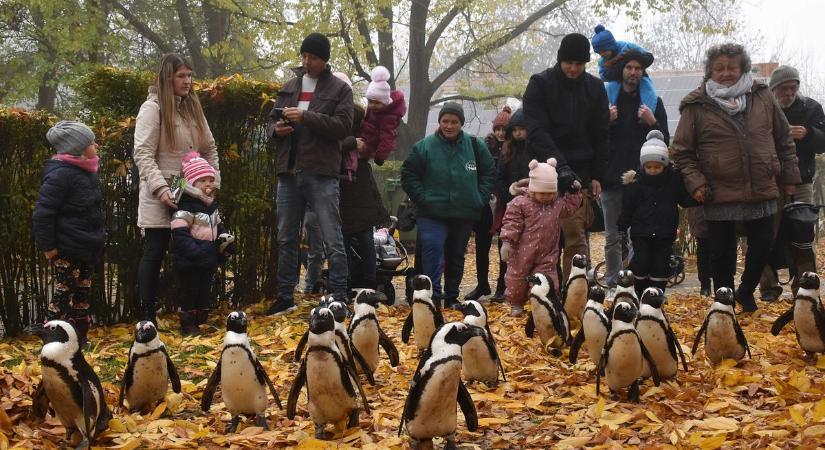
(575, 188)
(223, 241)
(506, 251)
(566, 179)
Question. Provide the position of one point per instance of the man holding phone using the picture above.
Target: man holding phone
(312, 113)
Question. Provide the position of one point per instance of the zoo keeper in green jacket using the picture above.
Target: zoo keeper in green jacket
(449, 175)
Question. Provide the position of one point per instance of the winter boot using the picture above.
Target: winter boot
(189, 322)
(481, 290)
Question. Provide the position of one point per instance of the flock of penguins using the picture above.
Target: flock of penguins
(630, 341)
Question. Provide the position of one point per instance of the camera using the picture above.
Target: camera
(279, 116)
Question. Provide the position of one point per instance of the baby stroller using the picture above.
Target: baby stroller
(392, 260)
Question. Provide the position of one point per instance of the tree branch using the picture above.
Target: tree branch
(516, 31)
(141, 27)
(435, 35)
(468, 98)
(359, 68)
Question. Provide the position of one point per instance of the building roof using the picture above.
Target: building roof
(672, 87)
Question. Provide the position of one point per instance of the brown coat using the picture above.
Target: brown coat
(711, 148)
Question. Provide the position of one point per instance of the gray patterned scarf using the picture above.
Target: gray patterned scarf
(731, 99)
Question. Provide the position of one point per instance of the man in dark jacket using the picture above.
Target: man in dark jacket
(807, 123)
(312, 114)
(630, 121)
(567, 117)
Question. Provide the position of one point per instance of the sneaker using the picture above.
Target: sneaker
(498, 296)
(516, 311)
(280, 307)
(478, 292)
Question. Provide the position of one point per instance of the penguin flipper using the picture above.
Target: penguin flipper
(126, 382)
(577, 342)
(600, 368)
(699, 335)
(354, 375)
(781, 321)
(740, 337)
(357, 356)
(211, 387)
(558, 324)
(407, 328)
(675, 346)
(386, 343)
(530, 326)
(264, 378)
(653, 370)
(468, 408)
(40, 402)
(438, 317)
(494, 351)
(295, 391)
(173, 373)
(299, 349)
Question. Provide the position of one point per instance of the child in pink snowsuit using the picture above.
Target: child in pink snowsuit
(531, 230)
(385, 108)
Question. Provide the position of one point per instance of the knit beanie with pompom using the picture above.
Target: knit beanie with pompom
(195, 168)
(502, 118)
(379, 88)
(654, 149)
(543, 176)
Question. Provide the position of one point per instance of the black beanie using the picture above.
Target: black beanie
(317, 44)
(452, 108)
(574, 47)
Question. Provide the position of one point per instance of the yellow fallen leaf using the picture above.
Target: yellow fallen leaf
(820, 362)
(5, 422)
(158, 411)
(650, 415)
(720, 423)
(597, 412)
(776, 434)
(713, 442)
(117, 426)
(816, 430)
(576, 441)
(796, 416)
(131, 444)
(819, 410)
(614, 420)
(487, 421)
(314, 444)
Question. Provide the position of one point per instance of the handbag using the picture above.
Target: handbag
(407, 215)
(597, 225)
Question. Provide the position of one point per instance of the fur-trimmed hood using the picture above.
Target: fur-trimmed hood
(629, 177)
(519, 187)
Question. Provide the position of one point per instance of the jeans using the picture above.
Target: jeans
(484, 240)
(612, 207)
(315, 253)
(723, 254)
(155, 244)
(321, 194)
(443, 240)
(361, 266)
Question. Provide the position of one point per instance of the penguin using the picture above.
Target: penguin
(69, 385)
(241, 376)
(329, 380)
(430, 407)
(624, 355)
(595, 327)
(366, 334)
(424, 315)
(149, 371)
(546, 313)
(625, 291)
(576, 289)
(482, 361)
(723, 335)
(657, 335)
(808, 316)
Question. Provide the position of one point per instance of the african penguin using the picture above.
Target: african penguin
(657, 335)
(547, 314)
(366, 334)
(575, 291)
(808, 316)
(330, 381)
(482, 361)
(241, 376)
(724, 337)
(595, 327)
(424, 315)
(69, 384)
(430, 407)
(624, 355)
(149, 371)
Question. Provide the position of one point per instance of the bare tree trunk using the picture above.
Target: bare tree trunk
(420, 87)
(386, 44)
(217, 31)
(47, 92)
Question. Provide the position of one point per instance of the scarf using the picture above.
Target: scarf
(731, 99)
(88, 164)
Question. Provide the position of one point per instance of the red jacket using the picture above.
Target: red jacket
(378, 130)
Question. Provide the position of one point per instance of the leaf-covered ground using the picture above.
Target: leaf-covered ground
(775, 400)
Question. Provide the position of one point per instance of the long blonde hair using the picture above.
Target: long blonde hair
(190, 106)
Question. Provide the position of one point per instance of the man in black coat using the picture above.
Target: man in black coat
(567, 116)
(630, 121)
(807, 127)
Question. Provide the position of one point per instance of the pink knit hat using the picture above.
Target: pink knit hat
(543, 177)
(379, 88)
(195, 168)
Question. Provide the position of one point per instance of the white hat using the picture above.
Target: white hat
(379, 88)
(654, 149)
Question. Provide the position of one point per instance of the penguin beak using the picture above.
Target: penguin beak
(38, 330)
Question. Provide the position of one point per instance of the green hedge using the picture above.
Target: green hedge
(236, 111)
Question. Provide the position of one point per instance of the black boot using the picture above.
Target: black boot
(481, 290)
(189, 322)
(746, 301)
(450, 302)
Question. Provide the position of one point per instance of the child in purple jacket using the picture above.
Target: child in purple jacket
(385, 108)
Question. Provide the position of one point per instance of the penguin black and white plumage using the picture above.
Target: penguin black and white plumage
(241, 376)
(331, 383)
(482, 361)
(595, 327)
(69, 385)
(149, 371)
(546, 313)
(808, 316)
(366, 334)
(576, 289)
(724, 337)
(430, 407)
(425, 317)
(657, 335)
(624, 356)
(625, 288)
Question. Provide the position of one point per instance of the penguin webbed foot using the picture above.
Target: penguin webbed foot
(83, 444)
(322, 434)
(353, 419)
(426, 444)
(614, 395)
(810, 356)
(450, 444)
(633, 392)
(260, 420)
(233, 424)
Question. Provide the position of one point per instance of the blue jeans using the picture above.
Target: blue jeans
(612, 207)
(443, 240)
(315, 253)
(320, 193)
